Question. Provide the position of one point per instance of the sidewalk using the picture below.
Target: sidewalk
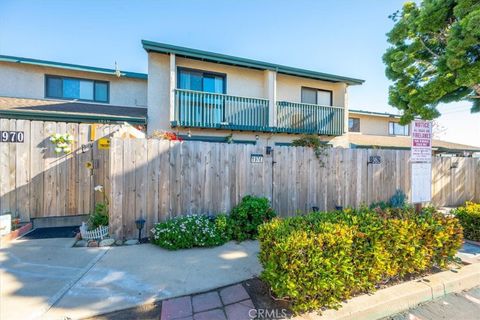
(96, 280)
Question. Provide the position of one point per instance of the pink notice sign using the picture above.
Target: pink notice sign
(421, 141)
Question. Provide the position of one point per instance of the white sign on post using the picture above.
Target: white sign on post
(421, 182)
(421, 141)
(421, 159)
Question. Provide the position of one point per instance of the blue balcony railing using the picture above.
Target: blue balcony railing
(199, 109)
(295, 117)
(214, 110)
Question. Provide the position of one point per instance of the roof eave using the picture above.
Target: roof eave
(150, 46)
(69, 66)
(69, 117)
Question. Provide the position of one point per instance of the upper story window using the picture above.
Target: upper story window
(395, 128)
(317, 96)
(354, 124)
(197, 80)
(75, 88)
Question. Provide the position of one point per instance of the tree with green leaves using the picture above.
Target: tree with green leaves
(434, 56)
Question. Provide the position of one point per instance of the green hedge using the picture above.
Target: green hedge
(321, 259)
(469, 216)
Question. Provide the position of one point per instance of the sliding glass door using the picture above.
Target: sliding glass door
(202, 109)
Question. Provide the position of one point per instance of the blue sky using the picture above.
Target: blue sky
(345, 37)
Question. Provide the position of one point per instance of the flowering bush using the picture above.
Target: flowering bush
(469, 216)
(165, 135)
(191, 231)
(62, 142)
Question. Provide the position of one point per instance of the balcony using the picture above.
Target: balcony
(213, 110)
(197, 109)
(295, 117)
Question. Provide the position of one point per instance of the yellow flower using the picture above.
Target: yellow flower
(89, 165)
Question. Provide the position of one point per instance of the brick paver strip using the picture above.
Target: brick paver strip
(240, 310)
(216, 314)
(206, 301)
(176, 308)
(233, 294)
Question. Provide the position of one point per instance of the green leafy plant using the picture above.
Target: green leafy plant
(62, 142)
(434, 56)
(320, 259)
(100, 215)
(250, 213)
(469, 216)
(310, 141)
(191, 231)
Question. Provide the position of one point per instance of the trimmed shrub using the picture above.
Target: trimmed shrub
(250, 213)
(469, 216)
(191, 231)
(323, 258)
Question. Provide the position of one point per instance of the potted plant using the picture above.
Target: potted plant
(97, 226)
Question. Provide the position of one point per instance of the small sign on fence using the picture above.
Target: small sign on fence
(103, 144)
(375, 159)
(256, 158)
(12, 136)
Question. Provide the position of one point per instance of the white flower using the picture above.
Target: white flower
(67, 149)
(99, 188)
(58, 150)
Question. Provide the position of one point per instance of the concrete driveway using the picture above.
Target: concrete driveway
(47, 279)
(35, 273)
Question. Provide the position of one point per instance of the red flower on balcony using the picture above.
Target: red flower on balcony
(171, 136)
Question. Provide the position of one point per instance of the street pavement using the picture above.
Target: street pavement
(454, 306)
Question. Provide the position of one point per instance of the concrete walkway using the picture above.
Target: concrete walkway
(49, 280)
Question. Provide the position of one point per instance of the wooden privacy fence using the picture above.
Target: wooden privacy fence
(37, 182)
(154, 179)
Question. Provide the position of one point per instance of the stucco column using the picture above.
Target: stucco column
(345, 106)
(173, 83)
(271, 93)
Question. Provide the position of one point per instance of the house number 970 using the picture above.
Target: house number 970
(12, 136)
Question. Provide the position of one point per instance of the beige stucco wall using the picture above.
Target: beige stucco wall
(289, 88)
(240, 81)
(28, 81)
(158, 92)
(374, 125)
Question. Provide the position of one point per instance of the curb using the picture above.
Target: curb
(402, 297)
(17, 233)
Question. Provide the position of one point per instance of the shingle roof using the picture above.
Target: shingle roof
(58, 110)
(364, 140)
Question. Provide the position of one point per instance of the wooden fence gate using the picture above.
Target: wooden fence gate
(37, 182)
